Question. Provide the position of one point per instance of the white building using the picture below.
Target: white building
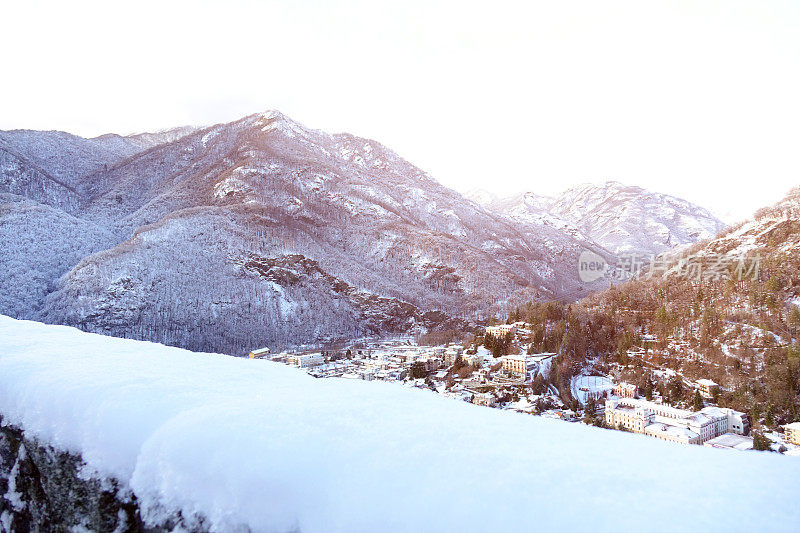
(516, 365)
(707, 388)
(524, 366)
(472, 359)
(367, 374)
(519, 366)
(502, 330)
(431, 363)
(481, 375)
(377, 364)
(451, 356)
(676, 425)
(738, 422)
(672, 433)
(485, 398)
(306, 360)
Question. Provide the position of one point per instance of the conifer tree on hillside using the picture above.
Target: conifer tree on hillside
(761, 442)
(697, 403)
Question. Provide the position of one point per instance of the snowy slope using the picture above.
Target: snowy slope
(183, 213)
(772, 231)
(530, 209)
(43, 178)
(40, 244)
(248, 442)
(67, 157)
(481, 196)
(627, 219)
(620, 218)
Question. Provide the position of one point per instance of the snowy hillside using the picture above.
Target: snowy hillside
(41, 243)
(621, 218)
(66, 158)
(481, 196)
(772, 231)
(534, 209)
(628, 219)
(724, 309)
(350, 231)
(205, 441)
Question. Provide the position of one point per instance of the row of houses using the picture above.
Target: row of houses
(672, 424)
(368, 365)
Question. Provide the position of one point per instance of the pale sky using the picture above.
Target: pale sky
(696, 99)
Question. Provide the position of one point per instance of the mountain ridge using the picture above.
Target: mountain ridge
(164, 223)
(624, 219)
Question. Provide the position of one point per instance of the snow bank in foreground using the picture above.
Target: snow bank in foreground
(247, 441)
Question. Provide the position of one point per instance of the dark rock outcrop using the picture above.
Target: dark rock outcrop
(47, 490)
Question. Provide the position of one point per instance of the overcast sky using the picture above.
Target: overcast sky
(697, 99)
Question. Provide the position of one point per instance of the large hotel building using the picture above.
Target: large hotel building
(676, 425)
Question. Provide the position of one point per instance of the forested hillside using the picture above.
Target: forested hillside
(151, 236)
(726, 309)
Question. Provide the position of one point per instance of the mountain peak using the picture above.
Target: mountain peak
(622, 218)
(274, 121)
(273, 115)
(481, 196)
(608, 185)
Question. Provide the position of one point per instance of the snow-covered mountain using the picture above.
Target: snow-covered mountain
(260, 231)
(627, 219)
(533, 209)
(623, 219)
(102, 434)
(774, 231)
(481, 196)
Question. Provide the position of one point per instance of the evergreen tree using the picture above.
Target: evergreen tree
(760, 442)
(589, 411)
(417, 370)
(648, 388)
(697, 403)
(676, 388)
(773, 285)
(794, 320)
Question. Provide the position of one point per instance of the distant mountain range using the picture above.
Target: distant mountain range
(621, 218)
(256, 232)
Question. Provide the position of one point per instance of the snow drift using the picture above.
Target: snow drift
(248, 443)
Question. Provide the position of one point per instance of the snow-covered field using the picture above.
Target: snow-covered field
(254, 442)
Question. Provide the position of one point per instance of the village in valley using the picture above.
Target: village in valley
(519, 380)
